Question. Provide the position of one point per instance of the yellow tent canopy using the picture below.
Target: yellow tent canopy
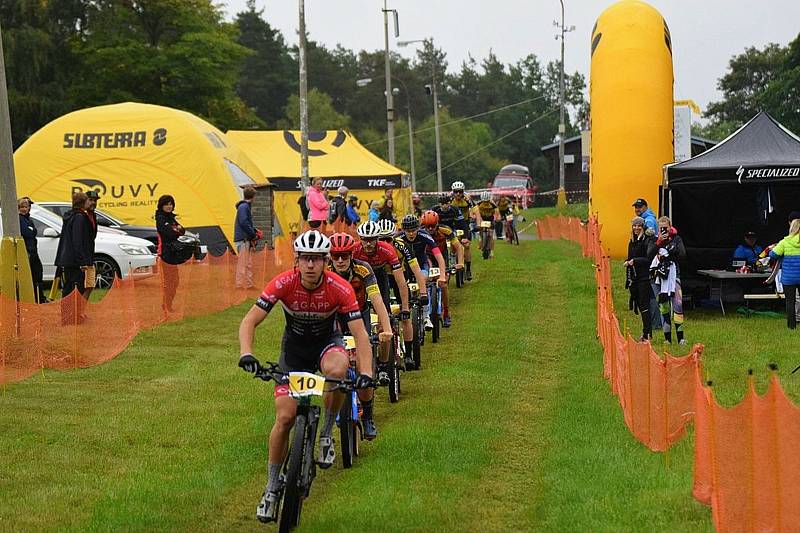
(334, 155)
(133, 153)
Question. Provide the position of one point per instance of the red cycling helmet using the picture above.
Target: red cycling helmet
(342, 243)
(429, 218)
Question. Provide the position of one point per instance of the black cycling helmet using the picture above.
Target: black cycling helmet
(444, 198)
(410, 222)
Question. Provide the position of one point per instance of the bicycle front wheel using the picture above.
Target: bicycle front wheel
(293, 492)
(347, 431)
(435, 317)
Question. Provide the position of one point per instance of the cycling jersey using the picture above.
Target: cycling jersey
(310, 314)
(465, 205)
(384, 255)
(504, 206)
(486, 209)
(448, 216)
(362, 279)
(404, 254)
(441, 236)
(421, 246)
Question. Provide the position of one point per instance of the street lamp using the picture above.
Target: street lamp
(562, 129)
(388, 75)
(366, 81)
(435, 110)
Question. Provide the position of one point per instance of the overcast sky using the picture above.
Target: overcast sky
(705, 34)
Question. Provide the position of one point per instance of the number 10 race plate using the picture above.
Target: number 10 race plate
(303, 384)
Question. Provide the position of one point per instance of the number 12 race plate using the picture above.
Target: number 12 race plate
(303, 384)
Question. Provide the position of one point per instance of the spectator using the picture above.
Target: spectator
(338, 208)
(317, 205)
(168, 232)
(245, 238)
(352, 212)
(91, 204)
(28, 230)
(665, 253)
(641, 210)
(749, 250)
(387, 213)
(303, 205)
(75, 256)
(416, 201)
(789, 249)
(374, 213)
(637, 278)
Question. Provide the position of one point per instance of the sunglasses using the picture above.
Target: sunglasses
(340, 256)
(370, 240)
(305, 258)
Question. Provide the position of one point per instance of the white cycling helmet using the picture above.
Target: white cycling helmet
(457, 186)
(486, 196)
(369, 230)
(312, 242)
(386, 227)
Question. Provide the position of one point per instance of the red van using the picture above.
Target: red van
(515, 182)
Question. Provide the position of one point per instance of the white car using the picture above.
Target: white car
(115, 253)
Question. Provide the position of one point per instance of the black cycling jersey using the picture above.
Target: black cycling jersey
(448, 216)
(421, 246)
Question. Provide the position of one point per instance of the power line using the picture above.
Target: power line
(482, 148)
(462, 119)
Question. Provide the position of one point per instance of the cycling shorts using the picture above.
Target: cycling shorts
(298, 355)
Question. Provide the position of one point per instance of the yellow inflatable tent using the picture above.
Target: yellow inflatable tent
(334, 155)
(132, 154)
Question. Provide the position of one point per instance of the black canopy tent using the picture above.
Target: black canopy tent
(748, 182)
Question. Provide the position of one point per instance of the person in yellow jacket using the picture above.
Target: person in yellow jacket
(789, 249)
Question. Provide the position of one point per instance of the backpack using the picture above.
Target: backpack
(334, 208)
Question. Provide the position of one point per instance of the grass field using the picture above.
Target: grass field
(509, 426)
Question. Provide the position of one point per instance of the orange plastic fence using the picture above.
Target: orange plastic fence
(72, 333)
(746, 463)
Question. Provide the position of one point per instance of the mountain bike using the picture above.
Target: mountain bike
(417, 325)
(435, 297)
(459, 272)
(486, 238)
(510, 230)
(300, 467)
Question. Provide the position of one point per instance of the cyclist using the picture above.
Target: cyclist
(486, 210)
(423, 245)
(410, 267)
(504, 207)
(463, 203)
(449, 215)
(362, 279)
(380, 256)
(442, 235)
(416, 201)
(312, 298)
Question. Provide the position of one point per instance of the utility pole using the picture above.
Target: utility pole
(436, 126)
(411, 146)
(303, 99)
(562, 129)
(388, 76)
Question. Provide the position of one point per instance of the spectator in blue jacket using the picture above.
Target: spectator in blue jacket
(374, 211)
(789, 248)
(245, 237)
(749, 250)
(352, 213)
(641, 210)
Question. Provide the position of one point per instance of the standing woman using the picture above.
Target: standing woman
(317, 205)
(665, 254)
(168, 232)
(789, 248)
(387, 213)
(638, 275)
(29, 233)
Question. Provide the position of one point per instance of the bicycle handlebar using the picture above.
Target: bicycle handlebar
(271, 371)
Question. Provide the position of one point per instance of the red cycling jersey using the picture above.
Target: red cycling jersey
(311, 314)
(384, 255)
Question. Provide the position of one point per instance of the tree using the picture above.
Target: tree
(747, 78)
(321, 113)
(782, 96)
(269, 74)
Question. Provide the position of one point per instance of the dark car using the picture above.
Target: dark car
(190, 242)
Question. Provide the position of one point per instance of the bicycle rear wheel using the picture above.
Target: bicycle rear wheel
(416, 324)
(486, 244)
(394, 371)
(293, 492)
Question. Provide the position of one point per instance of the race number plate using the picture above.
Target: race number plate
(413, 287)
(486, 224)
(395, 308)
(302, 384)
(459, 232)
(433, 272)
(510, 218)
(373, 319)
(349, 342)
